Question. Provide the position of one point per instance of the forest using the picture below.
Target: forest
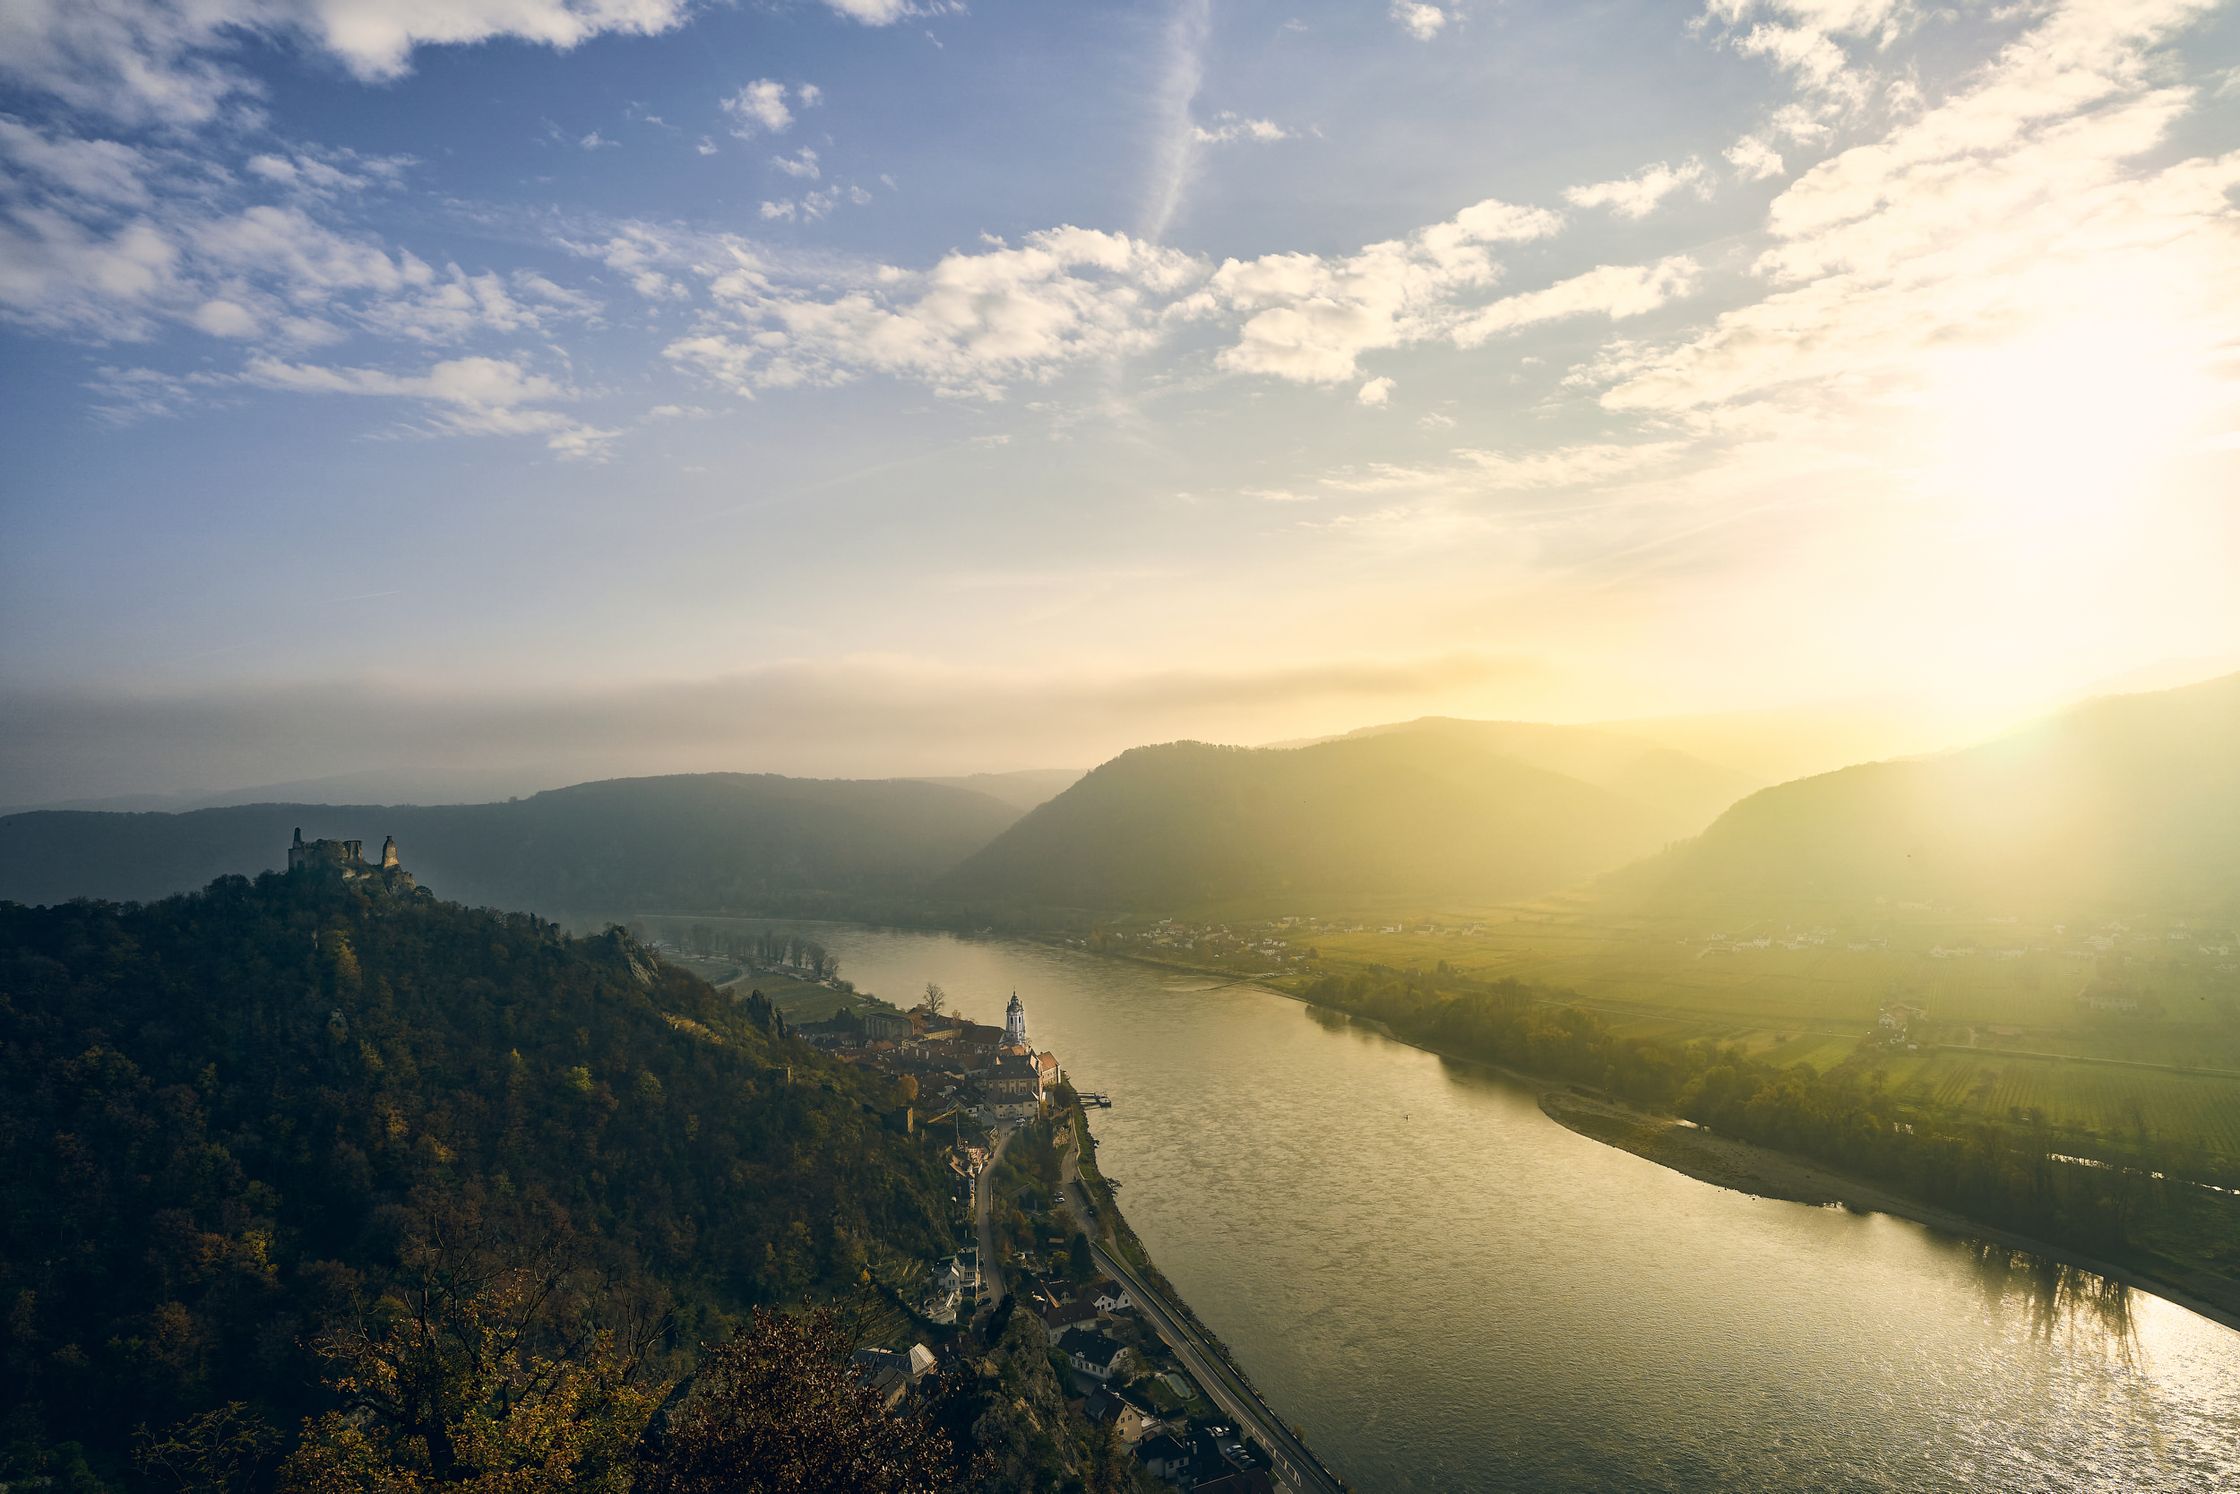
(324, 1188)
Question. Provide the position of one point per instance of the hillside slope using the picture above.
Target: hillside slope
(2129, 801)
(224, 1117)
(1394, 812)
(691, 842)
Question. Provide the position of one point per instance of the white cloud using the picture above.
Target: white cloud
(760, 107)
(319, 172)
(597, 141)
(100, 169)
(226, 319)
(641, 253)
(156, 60)
(2023, 232)
(1754, 159)
(463, 396)
(1613, 291)
(969, 326)
(58, 275)
(1375, 394)
(1421, 21)
(1309, 318)
(874, 12)
(1229, 126)
(1638, 195)
(802, 163)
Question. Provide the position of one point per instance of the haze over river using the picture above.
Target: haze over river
(1447, 1290)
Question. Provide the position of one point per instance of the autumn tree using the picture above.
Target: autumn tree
(781, 1409)
(487, 1367)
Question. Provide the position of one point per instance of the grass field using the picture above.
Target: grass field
(2139, 1106)
(2129, 1032)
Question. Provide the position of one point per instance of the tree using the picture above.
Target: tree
(780, 1409)
(937, 1000)
(1080, 1264)
(487, 1368)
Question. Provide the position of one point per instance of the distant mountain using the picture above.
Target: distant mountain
(1439, 808)
(1682, 785)
(1022, 790)
(2128, 801)
(693, 842)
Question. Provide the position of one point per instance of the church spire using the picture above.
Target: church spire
(1015, 1023)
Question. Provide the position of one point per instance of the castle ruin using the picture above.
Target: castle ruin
(347, 858)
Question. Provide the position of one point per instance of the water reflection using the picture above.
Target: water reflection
(2058, 1297)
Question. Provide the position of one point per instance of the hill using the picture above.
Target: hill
(1022, 789)
(693, 842)
(1439, 808)
(229, 1120)
(2128, 802)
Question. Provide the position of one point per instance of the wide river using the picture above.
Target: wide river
(1445, 1290)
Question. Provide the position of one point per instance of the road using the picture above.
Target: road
(983, 1211)
(1295, 1467)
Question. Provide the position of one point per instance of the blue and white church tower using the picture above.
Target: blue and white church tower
(1015, 1023)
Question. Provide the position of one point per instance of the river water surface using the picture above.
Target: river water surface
(1445, 1290)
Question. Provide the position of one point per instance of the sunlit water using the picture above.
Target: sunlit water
(1446, 1290)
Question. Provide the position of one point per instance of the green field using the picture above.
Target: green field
(2136, 1039)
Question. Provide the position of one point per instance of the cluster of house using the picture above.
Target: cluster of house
(1262, 946)
(1126, 1375)
(991, 1073)
(953, 1288)
(895, 1374)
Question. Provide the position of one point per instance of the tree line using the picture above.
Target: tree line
(2008, 1175)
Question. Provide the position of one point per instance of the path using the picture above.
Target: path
(983, 1211)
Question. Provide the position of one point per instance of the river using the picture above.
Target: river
(1445, 1290)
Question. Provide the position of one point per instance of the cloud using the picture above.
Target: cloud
(802, 163)
(1309, 317)
(1613, 291)
(1376, 394)
(1229, 126)
(1754, 159)
(465, 396)
(760, 107)
(1423, 22)
(597, 141)
(1999, 329)
(153, 60)
(968, 326)
(874, 12)
(103, 170)
(1639, 195)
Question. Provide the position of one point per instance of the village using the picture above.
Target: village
(1013, 1131)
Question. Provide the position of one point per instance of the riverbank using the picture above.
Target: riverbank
(1748, 1168)
(1768, 1173)
(1122, 1255)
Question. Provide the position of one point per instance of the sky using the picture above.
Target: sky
(563, 387)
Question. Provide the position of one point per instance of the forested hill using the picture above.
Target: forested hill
(2130, 801)
(686, 843)
(1437, 809)
(226, 1117)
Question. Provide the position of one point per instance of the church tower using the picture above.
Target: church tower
(1015, 1023)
